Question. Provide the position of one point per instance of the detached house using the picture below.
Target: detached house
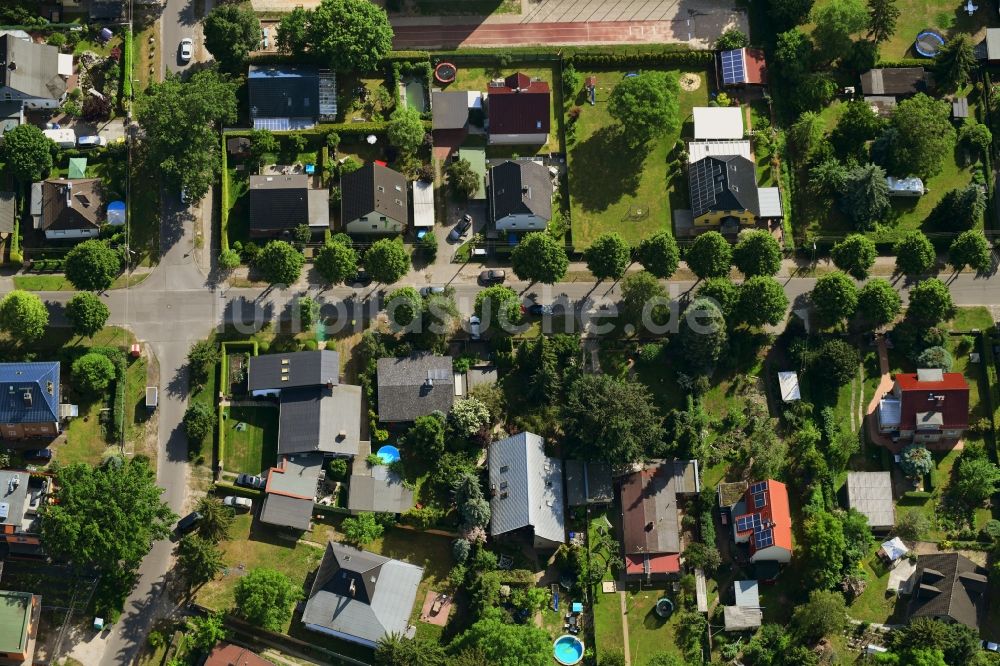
(526, 490)
(280, 203)
(926, 406)
(33, 74)
(373, 201)
(761, 519)
(725, 196)
(69, 209)
(520, 196)
(290, 98)
(414, 386)
(949, 587)
(29, 400)
(518, 110)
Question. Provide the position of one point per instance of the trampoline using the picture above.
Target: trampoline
(389, 454)
(445, 72)
(664, 607)
(929, 43)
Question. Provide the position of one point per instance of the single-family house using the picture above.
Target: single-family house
(270, 374)
(19, 614)
(518, 110)
(71, 209)
(373, 201)
(29, 400)
(290, 97)
(870, 494)
(361, 597)
(895, 81)
(949, 587)
(762, 520)
(290, 491)
(281, 202)
(743, 67)
(725, 196)
(33, 74)
(414, 386)
(449, 110)
(227, 654)
(21, 498)
(651, 535)
(928, 405)
(526, 490)
(588, 483)
(520, 196)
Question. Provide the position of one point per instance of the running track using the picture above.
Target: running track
(521, 34)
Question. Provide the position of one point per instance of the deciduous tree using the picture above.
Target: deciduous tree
(638, 290)
(837, 361)
(350, 35)
(659, 255)
(293, 32)
(930, 303)
(975, 136)
(722, 291)
(265, 598)
(836, 23)
(976, 480)
(971, 249)
(825, 614)
(757, 253)
(761, 301)
(87, 313)
(27, 152)
(387, 260)
(498, 304)
(858, 125)
(915, 254)
(336, 262)
(362, 529)
(732, 38)
(646, 105)
(924, 136)
(202, 358)
(710, 255)
(232, 31)
(882, 17)
(92, 373)
(835, 297)
(539, 257)
(403, 306)
(92, 265)
(879, 303)
(855, 255)
(825, 544)
(702, 335)
(426, 437)
(608, 256)
(610, 419)
(23, 316)
(405, 129)
(463, 179)
(199, 419)
(503, 643)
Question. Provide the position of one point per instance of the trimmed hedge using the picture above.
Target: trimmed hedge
(612, 60)
(127, 65)
(224, 208)
(903, 62)
(117, 357)
(232, 489)
(407, 56)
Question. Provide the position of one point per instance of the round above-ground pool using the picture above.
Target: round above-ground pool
(929, 43)
(568, 650)
(445, 72)
(389, 454)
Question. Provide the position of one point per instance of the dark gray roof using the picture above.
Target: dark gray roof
(31, 69)
(949, 585)
(284, 511)
(283, 92)
(894, 81)
(727, 182)
(274, 372)
(414, 386)
(587, 482)
(360, 595)
(278, 202)
(526, 488)
(521, 187)
(374, 189)
(72, 204)
(10, 116)
(320, 419)
(382, 491)
(870, 493)
(8, 212)
(450, 109)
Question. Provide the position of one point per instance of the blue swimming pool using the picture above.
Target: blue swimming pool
(568, 650)
(389, 454)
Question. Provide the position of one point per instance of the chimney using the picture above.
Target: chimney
(329, 384)
(69, 195)
(27, 398)
(342, 435)
(12, 66)
(353, 589)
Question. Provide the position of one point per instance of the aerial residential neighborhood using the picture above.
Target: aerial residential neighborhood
(499, 333)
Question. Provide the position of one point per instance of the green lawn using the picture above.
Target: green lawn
(949, 18)
(615, 188)
(647, 632)
(58, 282)
(607, 612)
(968, 318)
(239, 205)
(255, 448)
(466, 7)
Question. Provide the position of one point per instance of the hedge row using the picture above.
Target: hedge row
(232, 489)
(904, 62)
(117, 357)
(684, 58)
(224, 208)
(16, 258)
(127, 65)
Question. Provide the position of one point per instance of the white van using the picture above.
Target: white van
(92, 141)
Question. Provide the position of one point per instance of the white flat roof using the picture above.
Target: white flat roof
(423, 204)
(718, 122)
(699, 150)
(769, 200)
(789, 383)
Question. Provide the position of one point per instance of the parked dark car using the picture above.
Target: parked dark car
(538, 309)
(188, 522)
(461, 228)
(38, 454)
(362, 279)
(492, 277)
(250, 481)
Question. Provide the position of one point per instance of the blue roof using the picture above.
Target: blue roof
(733, 71)
(40, 381)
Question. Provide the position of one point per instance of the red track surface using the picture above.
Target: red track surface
(521, 34)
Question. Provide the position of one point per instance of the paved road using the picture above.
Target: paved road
(177, 22)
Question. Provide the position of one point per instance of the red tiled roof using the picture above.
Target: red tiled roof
(950, 397)
(775, 513)
(755, 66)
(649, 512)
(520, 106)
(635, 565)
(227, 654)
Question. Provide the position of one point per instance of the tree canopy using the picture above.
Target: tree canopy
(107, 516)
(93, 372)
(702, 335)
(23, 316)
(836, 23)
(858, 125)
(955, 61)
(924, 136)
(916, 461)
(646, 105)
(498, 303)
(610, 419)
(336, 262)
(659, 255)
(387, 260)
(198, 560)
(639, 289)
(959, 209)
(761, 301)
(361, 529)
(179, 119)
(971, 249)
(403, 305)
(232, 31)
(539, 257)
(757, 253)
(349, 35)
(608, 256)
(27, 152)
(825, 614)
(835, 297)
(502, 643)
(879, 303)
(723, 291)
(463, 179)
(855, 255)
(87, 313)
(280, 263)
(710, 255)
(930, 302)
(265, 598)
(865, 196)
(915, 255)
(405, 129)
(92, 265)
(882, 17)
(732, 38)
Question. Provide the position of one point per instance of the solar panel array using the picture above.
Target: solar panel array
(758, 487)
(706, 182)
(759, 500)
(763, 538)
(733, 71)
(747, 522)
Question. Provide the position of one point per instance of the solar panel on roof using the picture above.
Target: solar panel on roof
(764, 538)
(733, 70)
(758, 487)
(759, 500)
(744, 523)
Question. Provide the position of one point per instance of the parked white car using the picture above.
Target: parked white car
(238, 503)
(187, 49)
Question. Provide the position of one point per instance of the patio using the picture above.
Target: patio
(436, 608)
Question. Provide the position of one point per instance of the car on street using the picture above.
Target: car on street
(38, 454)
(991, 646)
(188, 522)
(250, 481)
(187, 49)
(185, 197)
(461, 227)
(427, 291)
(475, 328)
(238, 503)
(91, 141)
(538, 309)
(492, 276)
(362, 279)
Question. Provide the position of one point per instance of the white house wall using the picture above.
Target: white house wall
(521, 223)
(517, 139)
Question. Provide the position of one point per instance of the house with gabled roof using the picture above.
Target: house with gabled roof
(416, 385)
(651, 535)
(21, 499)
(373, 200)
(518, 110)
(290, 491)
(281, 202)
(520, 196)
(526, 490)
(290, 97)
(71, 209)
(36, 75)
(761, 519)
(926, 406)
(361, 597)
(949, 587)
(29, 400)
